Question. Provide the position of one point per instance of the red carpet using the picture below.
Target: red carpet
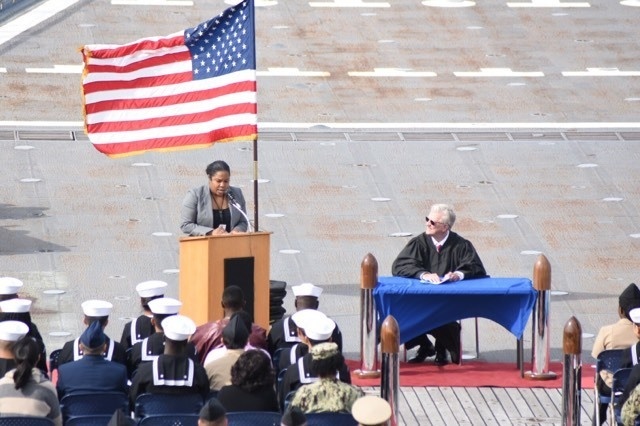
(473, 374)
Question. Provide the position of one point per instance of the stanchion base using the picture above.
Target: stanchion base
(530, 375)
(367, 374)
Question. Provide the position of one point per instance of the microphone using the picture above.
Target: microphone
(235, 204)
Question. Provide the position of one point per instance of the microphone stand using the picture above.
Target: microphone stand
(235, 204)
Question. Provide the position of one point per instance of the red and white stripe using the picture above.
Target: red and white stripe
(141, 96)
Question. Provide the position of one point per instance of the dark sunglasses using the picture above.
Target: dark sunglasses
(432, 222)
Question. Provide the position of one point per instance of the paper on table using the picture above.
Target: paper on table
(442, 280)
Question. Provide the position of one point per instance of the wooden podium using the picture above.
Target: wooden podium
(208, 264)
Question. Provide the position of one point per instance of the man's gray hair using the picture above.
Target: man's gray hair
(449, 214)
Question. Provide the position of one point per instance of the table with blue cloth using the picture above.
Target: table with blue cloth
(419, 307)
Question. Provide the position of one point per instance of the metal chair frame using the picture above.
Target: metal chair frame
(620, 378)
(609, 359)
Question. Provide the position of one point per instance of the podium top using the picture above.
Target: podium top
(227, 235)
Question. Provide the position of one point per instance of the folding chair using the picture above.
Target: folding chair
(93, 403)
(254, 418)
(151, 404)
(608, 360)
(330, 419)
(25, 421)
(620, 378)
(287, 400)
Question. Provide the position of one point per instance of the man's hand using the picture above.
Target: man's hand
(432, 278)
(452, 276)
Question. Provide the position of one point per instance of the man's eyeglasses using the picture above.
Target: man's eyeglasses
(433, 223)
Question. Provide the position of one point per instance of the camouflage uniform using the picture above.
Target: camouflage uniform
(327, 394)
(631, 408)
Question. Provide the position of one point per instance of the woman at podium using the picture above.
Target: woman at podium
(216, 207)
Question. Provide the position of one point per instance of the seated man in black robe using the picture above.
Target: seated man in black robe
(436, 255)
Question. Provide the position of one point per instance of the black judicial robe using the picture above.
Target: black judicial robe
(169, 374)
(137, 330)
(420, 255)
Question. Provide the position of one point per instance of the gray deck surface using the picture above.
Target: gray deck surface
(532, 164)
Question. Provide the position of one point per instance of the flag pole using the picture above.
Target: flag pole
(255, 184)
(255, 140)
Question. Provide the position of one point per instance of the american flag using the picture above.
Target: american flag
(185, 90)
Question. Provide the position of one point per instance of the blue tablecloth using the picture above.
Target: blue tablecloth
(420, 307)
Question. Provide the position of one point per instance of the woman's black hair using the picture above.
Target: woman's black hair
(218, 166)
(26, 353)
(327, 367)
(252, 371)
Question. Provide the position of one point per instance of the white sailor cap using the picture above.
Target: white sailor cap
(15, 305)
(96, 308)
(316, 325)
(151, 288)
(178, 327)
(371, 410)
(635, 315)
(306, 289)
(165, 305)
(9, 285)
(320, 330)
(306, 316)
(11, 331)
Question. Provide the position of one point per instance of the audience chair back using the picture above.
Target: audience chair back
(330, 419)
(93, 420)
(620, 378)
(151, 404)
(93, 403)
(254, 418)
(25, 421)
(287, 400)
(170, 420)
(608, 360)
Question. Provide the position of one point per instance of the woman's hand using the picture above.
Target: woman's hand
(219, 231)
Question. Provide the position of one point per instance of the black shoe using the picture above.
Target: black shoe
(441, 359)
(424, 352)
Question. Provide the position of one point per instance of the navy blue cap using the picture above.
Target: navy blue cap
(93, 336)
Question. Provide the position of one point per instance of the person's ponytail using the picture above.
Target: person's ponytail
(26, 354)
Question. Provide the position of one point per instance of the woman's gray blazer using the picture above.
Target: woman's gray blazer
(196, 215)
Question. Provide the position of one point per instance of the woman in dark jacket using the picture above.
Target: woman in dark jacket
(252, 384)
